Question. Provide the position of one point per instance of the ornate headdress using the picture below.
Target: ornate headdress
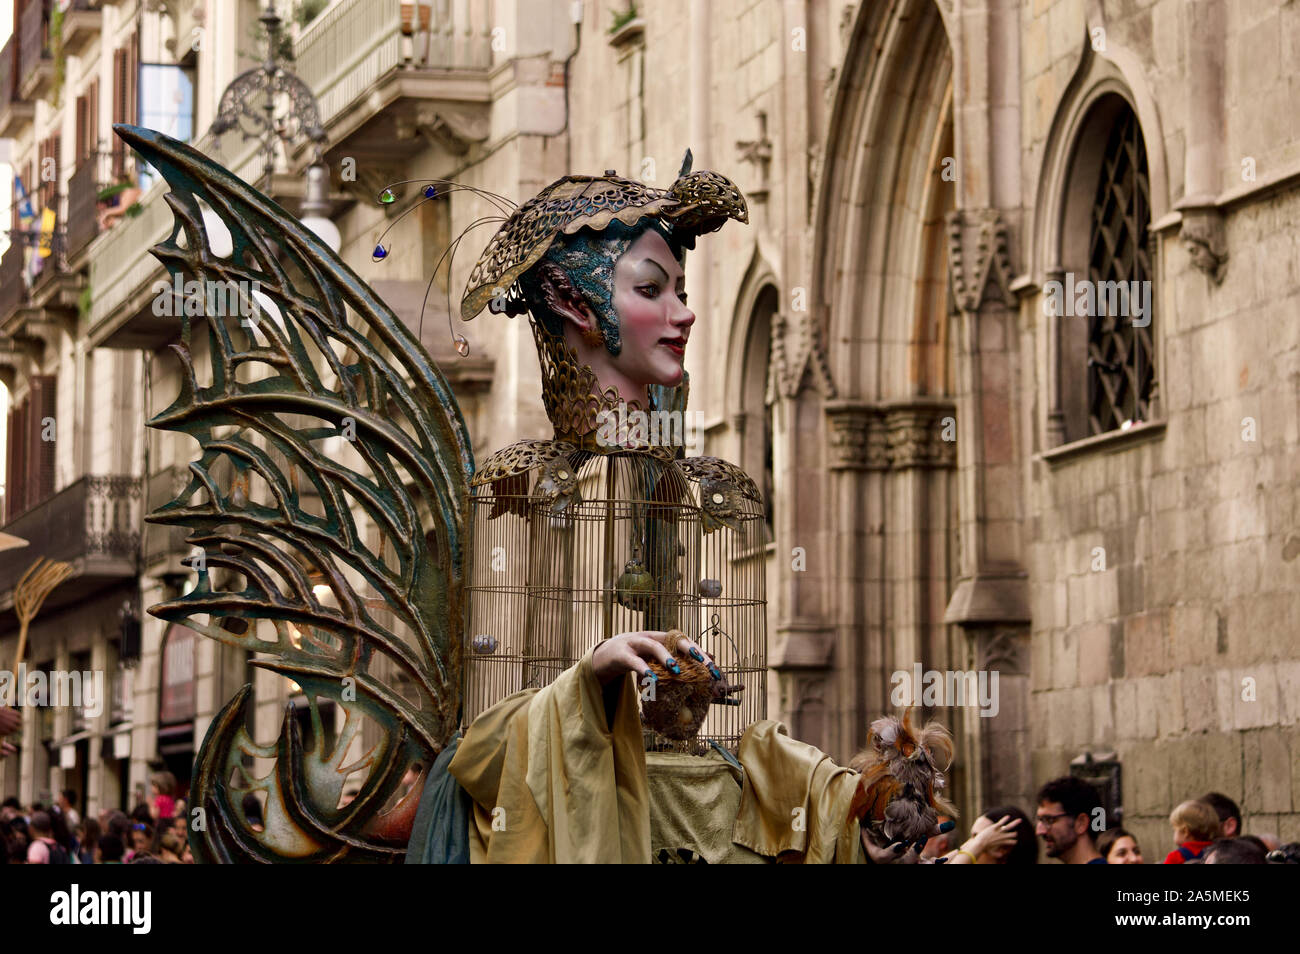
(695, 204)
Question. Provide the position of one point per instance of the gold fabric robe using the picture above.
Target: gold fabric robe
(553, 782)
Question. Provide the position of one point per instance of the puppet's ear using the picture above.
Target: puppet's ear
(564, 299)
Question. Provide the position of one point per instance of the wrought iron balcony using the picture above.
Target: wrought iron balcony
(88, 214)
(81, 24)
(384, 71)
(36, 69)
(93, 524)
(16, 113)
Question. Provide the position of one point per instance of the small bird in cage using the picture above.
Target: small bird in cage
(676, 701)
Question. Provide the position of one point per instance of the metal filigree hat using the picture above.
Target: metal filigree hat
(696, 203)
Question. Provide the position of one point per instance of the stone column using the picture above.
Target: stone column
(991, 601)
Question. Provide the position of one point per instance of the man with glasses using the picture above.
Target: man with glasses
(1066, 808)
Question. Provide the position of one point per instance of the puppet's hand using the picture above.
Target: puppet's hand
(894, 854)
(629, 652)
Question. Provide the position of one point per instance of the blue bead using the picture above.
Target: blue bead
(380, 252)
(430, 192)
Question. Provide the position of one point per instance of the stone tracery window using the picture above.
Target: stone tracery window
(758, 395)
(1099, 296)
(1120, 353)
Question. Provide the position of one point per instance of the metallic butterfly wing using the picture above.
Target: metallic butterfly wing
(326, 508)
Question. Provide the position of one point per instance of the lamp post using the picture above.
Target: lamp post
(253, 102)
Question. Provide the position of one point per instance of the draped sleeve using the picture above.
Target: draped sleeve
(797, 804)
(552, 780)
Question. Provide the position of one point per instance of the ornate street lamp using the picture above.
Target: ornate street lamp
(271, 104)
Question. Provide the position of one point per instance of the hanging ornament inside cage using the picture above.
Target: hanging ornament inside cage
(635, 586)
(484, 644)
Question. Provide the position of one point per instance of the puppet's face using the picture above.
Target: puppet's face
(654, 323)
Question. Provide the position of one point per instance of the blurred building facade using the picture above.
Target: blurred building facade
(967, 473)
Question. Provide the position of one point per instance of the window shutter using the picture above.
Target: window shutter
(119, 110)
(92, 118)
(18, 464)
(41, 405)
(81, 128)
(11, 457)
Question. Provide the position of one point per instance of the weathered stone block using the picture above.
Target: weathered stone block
(1200, 705)
(1094, 654)
(1103, 717)
(1147, 768)
(1065, 659)
(1186, 768)
(1266, 763)
(1223, 771)
(1148, 690)
(1288, 690)
(1146, 648)
(1169, 705)
(1255, 696)
(1124, 697)
(1225, 697)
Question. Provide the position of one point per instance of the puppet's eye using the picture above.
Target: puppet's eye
(649, 291)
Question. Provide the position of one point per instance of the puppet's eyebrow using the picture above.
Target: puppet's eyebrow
(660, 269)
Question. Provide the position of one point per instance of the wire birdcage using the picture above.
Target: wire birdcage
(594, 545)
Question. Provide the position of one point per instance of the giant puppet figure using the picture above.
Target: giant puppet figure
(557, 656)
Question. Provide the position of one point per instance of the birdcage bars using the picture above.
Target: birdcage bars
(628, 549)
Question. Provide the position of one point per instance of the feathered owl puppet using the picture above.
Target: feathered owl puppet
(902, 778)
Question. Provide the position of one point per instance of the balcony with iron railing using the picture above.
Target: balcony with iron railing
(81, 24)
(381, 68)
(97, 198)
(16, 113)
(93, 524)
(36, 65)
(124, 273)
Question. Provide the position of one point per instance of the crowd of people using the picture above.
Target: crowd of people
(154, 832)
(1071, 824)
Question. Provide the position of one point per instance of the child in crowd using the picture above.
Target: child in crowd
(1195, 825)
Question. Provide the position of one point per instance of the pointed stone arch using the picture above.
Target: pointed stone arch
(876, 502)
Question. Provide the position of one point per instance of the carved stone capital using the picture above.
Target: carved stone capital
(894, 436)
(978, 259)
(921, 435)
(855, 437)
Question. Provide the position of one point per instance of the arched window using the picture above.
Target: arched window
(758, 394)
(1120, 367)
(1102, 296)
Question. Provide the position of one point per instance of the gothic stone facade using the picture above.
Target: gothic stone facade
(956, 483)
